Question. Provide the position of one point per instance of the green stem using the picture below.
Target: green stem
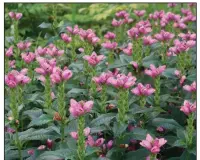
(190, 130)
(48, 92)
(122, 104)
(103, 98)
(81, 138)
(18, 143)
(142, 101)
(153, 156)
(13, 103)
(157, 93)
(6, 64)
(61, 108)
(73, 49)
(16, 32)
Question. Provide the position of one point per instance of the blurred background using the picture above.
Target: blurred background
(97, 16)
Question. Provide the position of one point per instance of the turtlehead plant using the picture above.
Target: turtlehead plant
(100, 81)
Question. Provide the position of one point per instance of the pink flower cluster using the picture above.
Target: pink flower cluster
(80, 108)
(46, 66)
(124, 19)
(91, 142)
(86, 131)
(141, 28)
(180, 46)
(89, 35)
(73, 31)
(110, 35)
(142, 90)
(94, 59)
(153, 145)
(122, 81)
(103, 78)
(188, 107)
(164, 36)
(109, 45)
(59, 75)
(15, 15)
(14, 78)
(66, 38)
(24, 45)
(52, 50)
(190, 88)
(153, 71)
(41, 51)
(139, 13)
(28, 57)
(148, 40)
(128, 50)
(9, 52)
(157, 15)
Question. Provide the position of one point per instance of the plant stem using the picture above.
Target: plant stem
(157, 93)
(142, 101)
(103, 98)
(61, 108)
(190, 130)
(48, 92)
(18, 143)
(81, 138)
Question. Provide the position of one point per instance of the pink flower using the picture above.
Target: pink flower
(12, 64)
(30, 152)
(142, 90)
(81, 50)
(74, 30)
(28, 57)
(49, 143)
(90, 141)
(153, 145)
(42, 147)
(186, 11)
(109, 45)
(59, 75)
(89, 35)
(188, 107)
(46, 66)
(80, 108)
(40, 51)
(15, 16)
(23, 45)
(157, 15)
(86, 131)
(160, 129)
(94, 59)
(53, 96)
(177, 73)
(164, 36)
(103, 78)
(153, 71)
(148, 40)
(11, 80)
(139, 13)
(135, 64)
(110, 35)
(116, 23)
(9, 52)
(122, 81)
(188, 36)
(122, 14)
(182, 80)
(172, 4)
(190, 88)
(109, 144)
(133, 33)
(66, 38)
(128, 50)
(54, 51)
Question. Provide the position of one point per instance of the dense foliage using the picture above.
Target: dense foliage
(100, 81)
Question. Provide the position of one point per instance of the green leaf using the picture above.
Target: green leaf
(140, 154)
(43, 119)
(98, 129)
(169, 73)
(34, 113)
(45, 25)
(58, 154)
(103, 119)
(152, 59)
(138, 133)
(91, 150)
(180, 143)
(169, 124)
(170, 139)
